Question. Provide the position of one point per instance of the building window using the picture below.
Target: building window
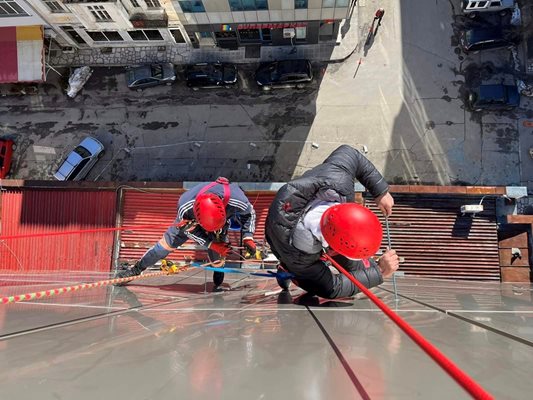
(176, 34)
(301, 33)
(152, 3)
(100, 13)
(342, 3)
(105, 36)
(55, 6)
(146, 34)
(328, 3)
(134, 3)
(193, 6)
(300, 4)
(10, 7)
(205, 35)
(248, 5)
(69, 30)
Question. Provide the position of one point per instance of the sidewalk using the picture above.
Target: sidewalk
(347, 40)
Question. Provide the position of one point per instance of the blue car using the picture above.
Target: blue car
(494, 97)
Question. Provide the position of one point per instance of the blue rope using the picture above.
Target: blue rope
(269, 274)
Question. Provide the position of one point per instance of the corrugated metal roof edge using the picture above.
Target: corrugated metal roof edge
(249, 186)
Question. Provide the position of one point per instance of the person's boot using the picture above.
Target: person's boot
(218, 279)
(126, 273)
(285, 284)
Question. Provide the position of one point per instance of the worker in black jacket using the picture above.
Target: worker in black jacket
(204, 212)
(295, 225)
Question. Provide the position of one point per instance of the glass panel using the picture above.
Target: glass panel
(186, 6)
(342, 3)
(82, 151)
(113, 36)
(235, 5)
(301, 33)
(261, 4)
(198, 6)
(248, 5)
(178, 37)
(300, 4)
(97, 36)
(328, 3)
(153, 35)
(137, 35)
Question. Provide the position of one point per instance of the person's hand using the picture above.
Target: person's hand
(187, 225)
(250, 246)
(385, 202)
(221, 248)
(388, 263)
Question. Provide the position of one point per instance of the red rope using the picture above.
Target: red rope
(471, 386)
(80, 231)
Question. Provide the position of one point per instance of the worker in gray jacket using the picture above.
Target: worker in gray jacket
(316, 213)
(204, 213)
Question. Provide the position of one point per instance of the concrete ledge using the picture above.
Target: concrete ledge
(247, 186)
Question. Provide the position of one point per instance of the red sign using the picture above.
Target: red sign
(279, 25)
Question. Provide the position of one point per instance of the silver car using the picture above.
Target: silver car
(80, 160)
(473, 7)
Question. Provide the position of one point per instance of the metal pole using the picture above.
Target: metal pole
(389, 246)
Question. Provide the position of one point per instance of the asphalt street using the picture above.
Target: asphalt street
(399, 98)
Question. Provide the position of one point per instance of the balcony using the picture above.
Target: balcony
(151, 19)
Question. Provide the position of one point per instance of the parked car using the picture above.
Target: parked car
(210, 75)
(6, 154)
(80, 160)
(494, 97)
(150, 75)
(488, 37)
(286, 73)
(472, 8)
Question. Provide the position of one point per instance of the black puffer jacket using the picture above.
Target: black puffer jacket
(338, 172)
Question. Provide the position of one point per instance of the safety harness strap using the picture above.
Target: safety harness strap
(220, 181)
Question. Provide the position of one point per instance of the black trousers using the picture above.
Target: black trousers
(318, 279)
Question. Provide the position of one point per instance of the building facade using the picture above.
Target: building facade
(21, 43)
(224, 23)
(18, 13)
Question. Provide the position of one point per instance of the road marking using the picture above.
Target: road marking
(44, 150)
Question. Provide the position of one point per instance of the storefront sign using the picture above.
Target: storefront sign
(280, 25)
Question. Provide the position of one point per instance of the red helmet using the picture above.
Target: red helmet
(210, 212)
(351, 230)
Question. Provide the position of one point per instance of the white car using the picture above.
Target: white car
(80, 160)
(473, 7)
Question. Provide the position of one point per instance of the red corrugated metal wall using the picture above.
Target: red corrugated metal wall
(42, 211)
(438, 242)
(142, 208)
(427, 230)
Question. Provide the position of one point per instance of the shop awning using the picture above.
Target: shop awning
(22, 53)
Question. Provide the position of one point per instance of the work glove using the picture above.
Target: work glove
(221, 248)
(250, 245)
(251, 249)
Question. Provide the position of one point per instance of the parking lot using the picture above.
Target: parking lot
(400, 100)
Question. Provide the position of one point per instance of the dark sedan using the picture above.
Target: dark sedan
(487, 38)
(210, 75)
(286, 73)
(150, 75)
(494, 97)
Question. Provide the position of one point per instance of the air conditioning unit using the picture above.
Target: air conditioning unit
(288, 33)
(472, 208)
